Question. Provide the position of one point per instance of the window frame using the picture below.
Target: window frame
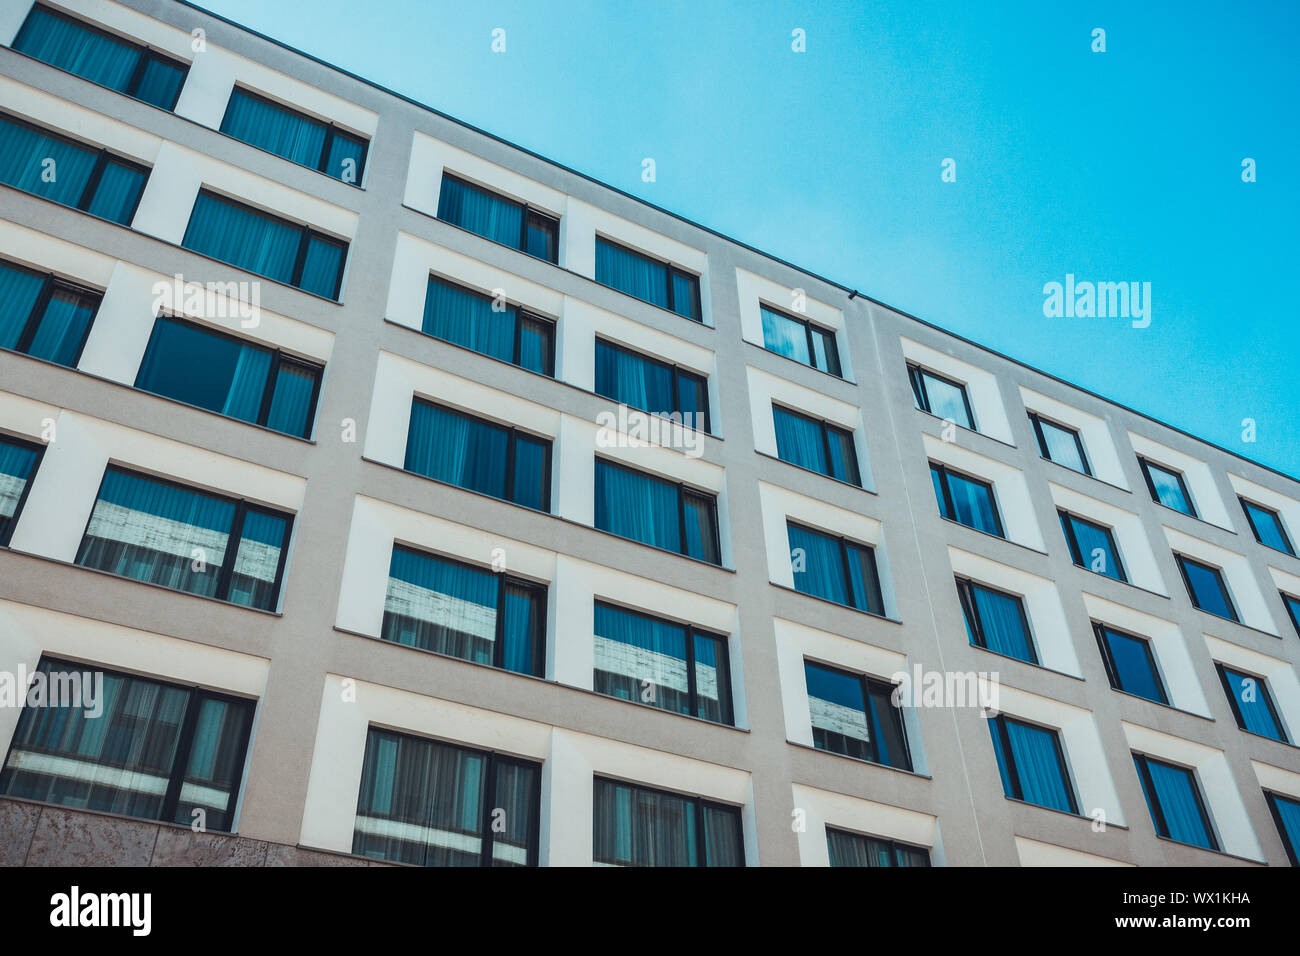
(520, 313)
(844, 543)
(1067, 518)
(683, 489)
(698, 803)
(1038, 421)
(1157, 812)
(50, 283)
(824, 428)
(331, 128)
(868, 684)
(1146, 465)
(1266, 695)
(1181, 560)
(677, 371)
(916, 374)
(809, 327)
(7, 534)
(1112, 670)
(1013, 771)
(970, 608)
(1292, 850)
(672, 272)
(894, 846)
(526, 210)
(1287, 601)
(1246, 505)
(948, 503)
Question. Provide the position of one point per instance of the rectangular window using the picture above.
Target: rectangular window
(648, 279)
(491, 459)
(835, 569)
(854, 715)
(659, 388)
(165, 533)
(1167, 487)
(1032, 763)
(637, 826)
(678, 668)
(43, 316)
(941, 396)
(656, 512)
(18, 463)
(146, 749)
(854, 849)
(297, 137)
(966, 500)
(1206, 587)
(996, 620)
(816, 445)
(1130, 663)
(473, 321)
(1175, 802)
(1252, 703)
(495, 217)
(452, 608)
(432, 804)
(1092, 546)
(101, 57)
(1286, 816)
(223, 374)
(84, 177)
(800, 340)
(1267, 525)
(1293, 608)
(266, 245)
(1060, 443)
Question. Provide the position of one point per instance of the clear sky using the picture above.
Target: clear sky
(1117, 166)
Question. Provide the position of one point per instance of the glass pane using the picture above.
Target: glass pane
(844, 458)
(1250, 694)
(242, 237)
(320, 269)
(887, 728)
(817, 563)
(629, 272)
(1175, 794)
(947, 399)
(826, 355)
(785, 336)
(16, 464)
(864, 580)
(542, 238)
(1134, 666)
(261, 543)
(457, 449)
(117, 192)
(203, 368)
(712, 680)
(481, 212)
(641, 659)
(469, 320)
(531, 467)
(685, 290)
(536, 346)
(1207, 590)
(1288, 820)
(634, 826)
(43, 165)
(63, 326)
(800, 441)
(70, 46)
(441, 606)
(1062, 446)
(215, 765)
(1001, 618)
(693, 397)
(161, 83)
(291, 402)
(515, 799)
(524, 625)
(1034, 754)
(973, 504)
(700, 520)
(1169, 488)
(723, 843)
(1268, 527)
(1096, 548)
(347, 158)
(1293, 608)
(848, 849)
(839, 712)
(19, 290)
(637, 506)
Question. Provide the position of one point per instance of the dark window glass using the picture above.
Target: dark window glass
(652, 386)
(656, 512)
(1174, 801)
(1293, 608)
(941, 396)
(1167, 487)
(1267, 525)
(18, 461)
(834, 568)
(469, 319)
(855, 715)
(1286, 815)
(996, 620)
(43, 316)
(816, 445)
(965, 500)
(295, 136)
(1060, 444)
(1130, 664)
(800, 340)
(854, 849)
(648, 279)
(142, 748)
(494, 217)
(1252, 704)
(637, 826)
(1092, 546)
(432, 804)
(1206, 587)
(1032, 763)
(164, 533)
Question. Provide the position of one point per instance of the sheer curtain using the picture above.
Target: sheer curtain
(63, 326)
(215, 765)
(973, 503)
(723, 843)
(1251, 695)
(515, 792)
(637, 506)
(634, 826)
(466, 319)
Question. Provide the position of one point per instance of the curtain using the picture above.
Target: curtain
(1208, 592)
(542, 237)
(70, 46)
(785, 336)
(633, 649)
(247, 383)
(258, 560)
(634, 826)
(514, 788)
(822, 562)
(524, 610)
(19, 290)
(1169, 490)
(701, 522)
(43, 165)
(844, 457)
(1288, 815)
(16, 463)
(457, 449)
(531, 459)
(637, 506)
(634, 380)
(1251, 695)
(243, 238)
(291, 401)
(1002, 621)
(215, 764)
(629, 272)
(723, 843)
(320, 268)
(1034, 753)
(536, 345)
(63, 326)
(712, 679)
(1092, 538)
(972, 501)
(1175, 794)
(1133, 667)
(1062, 446)
(946, 400)
(441, 606)
(274, 129)
(864, 579)
(480, 212)
(685, 290)
(850, 849)
(117, 192)
(799, 441)
(161, 83)
(887, 728)
(467, 320)
(345, 148)
(839, 711)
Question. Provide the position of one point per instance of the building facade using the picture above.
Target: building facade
(390, 493)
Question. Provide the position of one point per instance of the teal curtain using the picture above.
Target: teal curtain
(274, 128)
(216, 763)
(636, 655)
(320, 267)
(468, 320)
(19, 290)
(634, 380)
(1173, 790)
(481, 212)
(16, 464)
(1253, 703)
(43, 165)
(524, 623)
(438, 605)
(117, 192)
(785, 336)
(1001, 618)
(291, 401)
(261, 542)
(818, 565)
(347, 158)
(63, 326)
(637, 506)
(632, 273)
(243, 238)
(457, 449)
(839, 712)
(712, 679)
(1034, 756)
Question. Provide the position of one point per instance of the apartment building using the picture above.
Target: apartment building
(375, 491)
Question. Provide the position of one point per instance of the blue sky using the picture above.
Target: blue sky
(1115, 166)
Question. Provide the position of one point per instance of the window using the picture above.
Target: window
(1167, 487)
(835, 569)
(223, 374)
(470, 320)
(432, 804)
(670, 666)
(1286, 816)
(1267, 525)
(637, 826)
(965, 500)
(69, 172)
(101, 57)
(165, 533)
(1252, 704)
(816, 445)
(1032, 764)
(18, 461)
(495, 217)
(800, 340)
(1293, 608)
(266, 245)
(996, 620)
(1060, 443)
(1206, 588)
(1130, 664)
(144, 749)
(941, 396)
(297, 137)
(441, 605)
(652, 386)
(43, 316)
(854, 849)
(471, 453)
(854, 715)
(648, 279)
(656, 512)
(1175, 803)
(1092, 546)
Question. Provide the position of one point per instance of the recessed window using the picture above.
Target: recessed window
(650, 385)
(69, 172)
(648, 279)
(18, 463)
(1092, 546)
(835, 569)
(166, 533)
(495, 217)
(453, 608)
(662, 514)
(428, 803)
(1293, 608)
(144, 748)
(496, 329)
(1032, 763)
(966, 500)
(266, 245)
(1167, 487)
(816, 445)
(1060, 443)
(43, 316)
(101, 57)
(996, 620)
(1286, 816)
(637, 826)
(800, 340)
(854, 849)
(1206, 587)
(854, 715)
(297, 137)
(1130, 664)
(1267, 525)
(1175, 803)
(670, 666)
(1252, 703)
(941, 396)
